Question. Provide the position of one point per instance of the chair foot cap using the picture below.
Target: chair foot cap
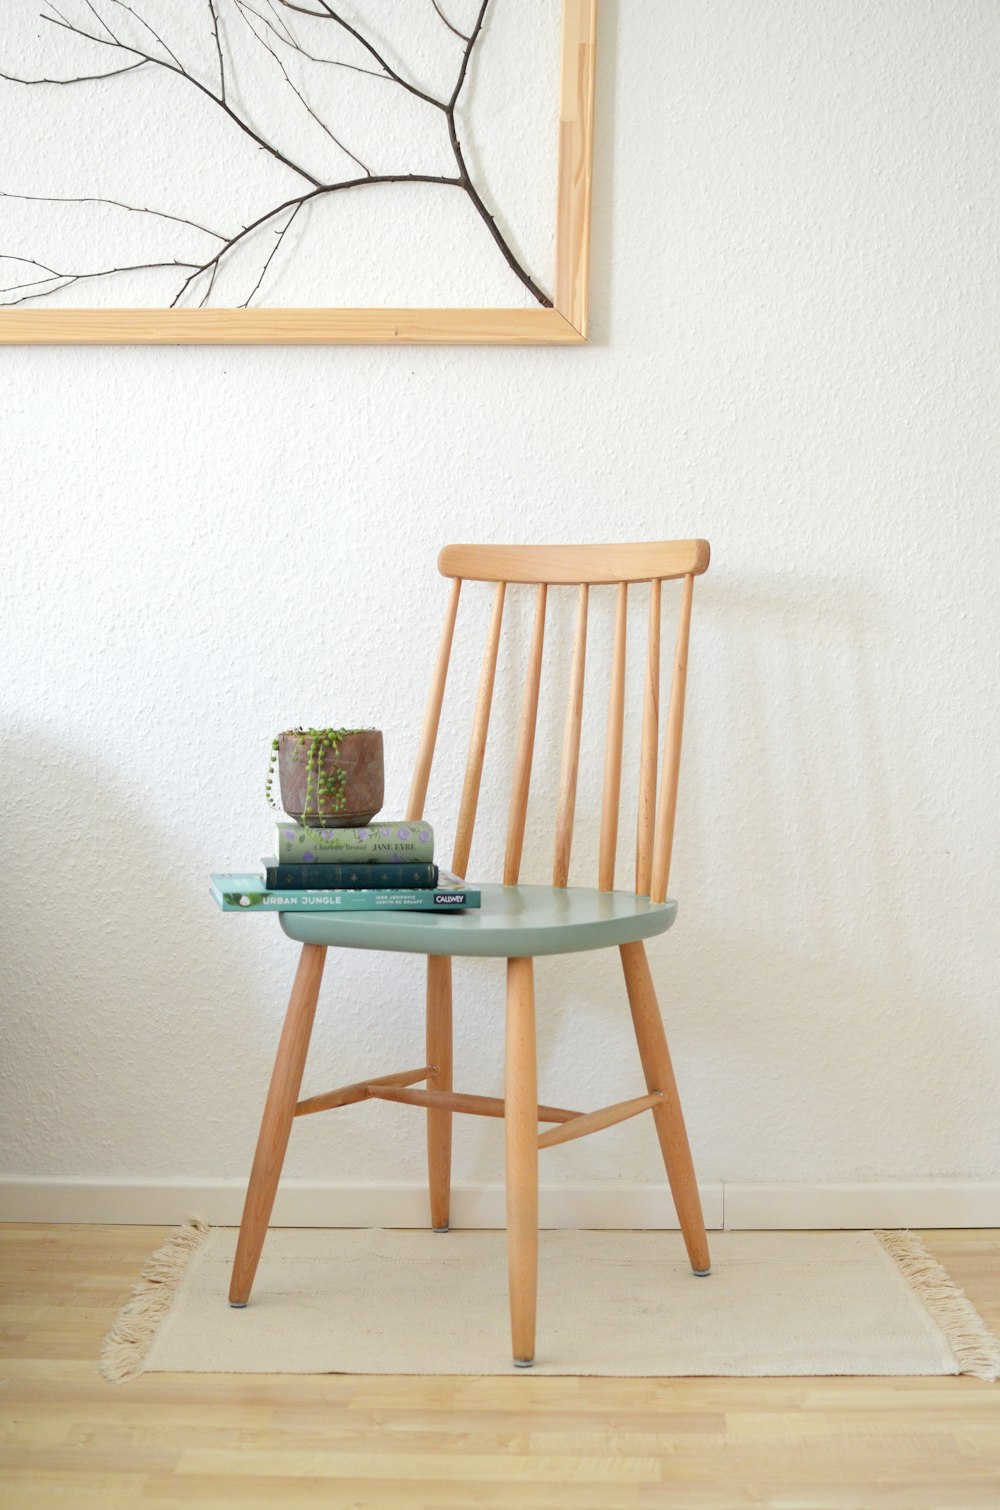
(445, 1228)
(237, 1305)
(524, 1362)
(700, 1273)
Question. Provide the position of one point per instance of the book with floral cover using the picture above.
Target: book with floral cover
(390, 843)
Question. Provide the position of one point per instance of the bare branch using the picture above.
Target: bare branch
(71, 278)
(27, 262)
(53, 285)
(466, 177)
(97, 17)
(329, 14)
(287, 39)
(211, 284)
(301, 199)
(83, 78)
(447, 23)
(182, 73)
(218, 48)
(146, 27)
(280, 238)
(119, 204)
(467, 55)
(277, 21)
(109, 41)
(276, 32)
(298, 92)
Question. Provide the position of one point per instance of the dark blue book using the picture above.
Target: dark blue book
(363, 876)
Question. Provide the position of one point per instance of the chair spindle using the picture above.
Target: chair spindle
(646, 820)
(432, 717)
(667, 808)
(571, 746)
(477, 740)
(613, 750)
(525, 748)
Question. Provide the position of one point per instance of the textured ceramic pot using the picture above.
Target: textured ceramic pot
(358, 756)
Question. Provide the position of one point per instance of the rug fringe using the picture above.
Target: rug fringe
(124, 1349)
(976, 1348)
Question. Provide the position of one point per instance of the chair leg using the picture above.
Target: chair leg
(439, 1057)
(276, 1125)
(521, 1129)
(668, 1117)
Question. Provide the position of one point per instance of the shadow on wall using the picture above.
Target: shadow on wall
(811, 951)
(114, 979)
(818, 1026)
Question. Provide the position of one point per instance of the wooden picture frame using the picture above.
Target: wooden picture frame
(563, 325)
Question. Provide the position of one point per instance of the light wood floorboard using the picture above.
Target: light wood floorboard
(67, 1438)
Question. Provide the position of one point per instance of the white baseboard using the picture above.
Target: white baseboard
(307, 1203)
(915, 1203)
(304, 1203)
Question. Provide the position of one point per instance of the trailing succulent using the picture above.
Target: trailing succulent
(325, 779)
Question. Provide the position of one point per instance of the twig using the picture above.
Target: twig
(97, 17)
(181, 73)
(211, 284)
(301, 199)
(298, 92)
(287, 39)
(329, 14)
(12, 288)
(28, 262)
(218, 48)
(447, 23)
(466, 55)
(280, 238)
(466, 177)
(119, 204)
(276, 21)
(107, 272)
(146, 27)
(83, 78)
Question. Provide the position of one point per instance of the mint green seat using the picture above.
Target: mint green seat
(517, 921)
(513, 920)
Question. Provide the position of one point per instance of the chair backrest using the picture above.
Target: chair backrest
(583, 566)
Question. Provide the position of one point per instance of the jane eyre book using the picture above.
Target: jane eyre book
(394, 843)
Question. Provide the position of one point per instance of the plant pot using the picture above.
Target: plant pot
(342, 786)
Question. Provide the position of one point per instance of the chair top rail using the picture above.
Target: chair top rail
(575, 564)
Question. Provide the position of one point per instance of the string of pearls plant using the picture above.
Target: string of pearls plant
(325, 780)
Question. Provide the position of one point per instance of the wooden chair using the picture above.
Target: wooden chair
(518, 922)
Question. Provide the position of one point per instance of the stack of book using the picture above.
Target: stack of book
(384, 866)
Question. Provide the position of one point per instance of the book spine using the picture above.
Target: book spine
(362, 876)
(345, 901)
(383, 843)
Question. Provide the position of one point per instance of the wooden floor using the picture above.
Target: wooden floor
(67, 1438)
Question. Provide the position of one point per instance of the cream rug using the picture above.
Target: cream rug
(380, 1301)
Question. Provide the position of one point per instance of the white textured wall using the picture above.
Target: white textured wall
(795, 354)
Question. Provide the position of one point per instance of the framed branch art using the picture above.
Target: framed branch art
(252, 171)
